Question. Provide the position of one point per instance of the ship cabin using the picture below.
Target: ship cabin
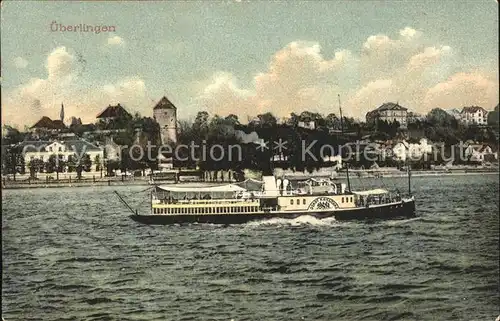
(203, 200)
(319, 195)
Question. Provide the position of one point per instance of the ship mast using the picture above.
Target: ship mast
(409, 177)
(342, 131)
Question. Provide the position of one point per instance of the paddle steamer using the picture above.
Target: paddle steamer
(275, 197)
(233, 204)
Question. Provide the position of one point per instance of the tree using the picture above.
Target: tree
(111, 166)
(86, 163)
(266, 120)
(332, 121)
(493, 117)
(36, 166)
(13, 160)
(79, 164)
(200, 125)
(232, 119)
(50, 164)
(440, 118)
(293, 120)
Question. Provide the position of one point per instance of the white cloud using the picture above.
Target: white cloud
(464, 89)
(409, 33)
(43, 96)
(116, 41)
(20, 62)
(298, 78)
(60, 64)
(430, 56)
(371, 94)
(408, 69)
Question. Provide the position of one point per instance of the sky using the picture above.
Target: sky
(246, 57)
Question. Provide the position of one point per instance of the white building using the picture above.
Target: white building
(63, 150)
(474, 115)
(480, 153)
(389, 112)
(112, 151)
(404, 150)
(307, 124)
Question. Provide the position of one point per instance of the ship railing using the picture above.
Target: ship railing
(381, 199)
(206, 201)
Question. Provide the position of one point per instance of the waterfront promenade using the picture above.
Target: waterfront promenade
(24, 183)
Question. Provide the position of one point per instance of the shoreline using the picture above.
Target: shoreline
(144, 182)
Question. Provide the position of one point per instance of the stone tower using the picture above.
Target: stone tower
(165, 114)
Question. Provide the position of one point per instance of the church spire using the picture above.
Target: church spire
(61, 115)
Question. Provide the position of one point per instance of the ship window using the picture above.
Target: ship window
(304, 201)
(342, 200)
(298, 201)
(291, 201)
(351, 199)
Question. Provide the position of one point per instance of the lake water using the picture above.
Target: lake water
(73, 254)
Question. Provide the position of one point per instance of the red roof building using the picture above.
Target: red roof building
(113, 112)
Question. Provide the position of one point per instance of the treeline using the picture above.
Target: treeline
(219, 135)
